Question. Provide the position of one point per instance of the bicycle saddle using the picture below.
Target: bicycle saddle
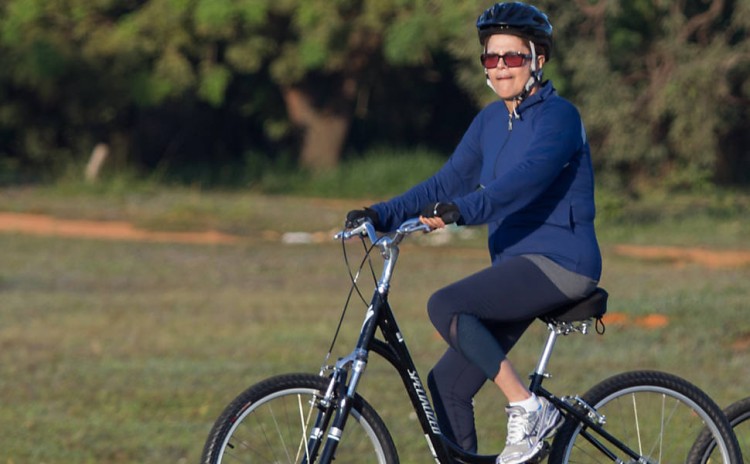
(594, 305)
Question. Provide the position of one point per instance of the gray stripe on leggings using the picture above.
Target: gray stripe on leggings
(573, 285)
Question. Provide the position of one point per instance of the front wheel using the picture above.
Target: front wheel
(657, 415)
(271, 422)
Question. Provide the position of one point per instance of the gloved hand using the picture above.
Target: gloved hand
(448, 212)
(356, 216)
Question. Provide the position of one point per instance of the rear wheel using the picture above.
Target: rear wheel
(271, 422)
(657, 415)
(738, 414)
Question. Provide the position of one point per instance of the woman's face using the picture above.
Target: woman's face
(507, 82)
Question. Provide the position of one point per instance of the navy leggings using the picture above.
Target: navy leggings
(482, 317)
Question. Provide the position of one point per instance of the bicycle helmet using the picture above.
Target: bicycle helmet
(518, 19)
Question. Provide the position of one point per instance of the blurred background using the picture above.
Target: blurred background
(235, 119)
(242, 93)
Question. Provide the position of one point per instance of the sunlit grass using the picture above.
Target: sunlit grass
(125, 352)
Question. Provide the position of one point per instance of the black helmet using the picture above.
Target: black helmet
(519, 19)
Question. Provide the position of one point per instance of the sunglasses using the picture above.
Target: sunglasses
(511, 59)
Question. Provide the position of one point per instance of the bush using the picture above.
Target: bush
(380, 172)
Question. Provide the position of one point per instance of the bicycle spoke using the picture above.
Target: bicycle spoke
(272, 422)
(661, 422)
(303, 421)
(637, 425)
(661, 428)
(279, 433)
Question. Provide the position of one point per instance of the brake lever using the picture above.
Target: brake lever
(413, 225)
(366, 228)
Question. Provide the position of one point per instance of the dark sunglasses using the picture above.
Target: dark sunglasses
(511, 59)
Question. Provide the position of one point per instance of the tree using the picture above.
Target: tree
(660, 85)
(323, 55)
(326, 55)
(53, 102)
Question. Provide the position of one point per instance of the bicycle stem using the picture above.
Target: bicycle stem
(388, 245)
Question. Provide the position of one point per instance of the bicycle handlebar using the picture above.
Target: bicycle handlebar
(366, 228)
(412, 225)
(387, 244)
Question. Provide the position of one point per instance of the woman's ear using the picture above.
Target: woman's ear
(541, 59)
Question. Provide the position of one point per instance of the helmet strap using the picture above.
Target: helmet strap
(487, 80)
(486, 73)
(534, 79)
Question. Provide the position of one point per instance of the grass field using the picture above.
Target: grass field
(126, 351)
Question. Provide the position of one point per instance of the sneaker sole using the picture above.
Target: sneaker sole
(525, 457)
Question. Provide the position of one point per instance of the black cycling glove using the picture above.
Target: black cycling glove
(356, 216)
(448, 212)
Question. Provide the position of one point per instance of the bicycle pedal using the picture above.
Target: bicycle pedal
(541, 455)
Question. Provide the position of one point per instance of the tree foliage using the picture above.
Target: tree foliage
(662, 85)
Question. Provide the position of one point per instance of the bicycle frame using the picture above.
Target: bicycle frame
(394, 350)
(589, 419)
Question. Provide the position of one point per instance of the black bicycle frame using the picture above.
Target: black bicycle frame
(586, 423)
(394, 350)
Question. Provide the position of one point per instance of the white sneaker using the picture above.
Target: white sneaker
(527, 432)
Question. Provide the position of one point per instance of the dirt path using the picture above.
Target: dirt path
(38, 224)
(709, 258)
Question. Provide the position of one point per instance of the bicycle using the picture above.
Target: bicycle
(738, 414)
(635, 417)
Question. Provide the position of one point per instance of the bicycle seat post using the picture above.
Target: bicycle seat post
(541, 368)
(575, 317)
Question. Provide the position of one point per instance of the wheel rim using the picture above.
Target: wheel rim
(740, 421)
(741, 425)
(658, 423)
(275, 429)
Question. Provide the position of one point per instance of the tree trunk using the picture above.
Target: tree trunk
(324, 119)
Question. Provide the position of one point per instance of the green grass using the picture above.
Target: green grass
(125, 352)
(715, 217)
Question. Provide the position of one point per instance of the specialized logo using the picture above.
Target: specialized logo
(422, 394)
(368, 315)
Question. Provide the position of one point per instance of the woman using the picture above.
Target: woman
(523, 167)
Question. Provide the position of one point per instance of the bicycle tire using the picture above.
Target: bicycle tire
(271, 422)
(656, 414)
(738, 414)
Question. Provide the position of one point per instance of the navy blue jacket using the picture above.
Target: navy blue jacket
(530, 181)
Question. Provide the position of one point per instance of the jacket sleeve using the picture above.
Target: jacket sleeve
(456, 178)
(557, 136)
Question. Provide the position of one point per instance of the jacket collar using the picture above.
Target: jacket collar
(543, 92)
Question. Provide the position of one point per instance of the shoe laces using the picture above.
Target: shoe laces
(518, 425)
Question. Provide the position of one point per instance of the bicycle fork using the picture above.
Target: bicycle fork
(335, 406)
